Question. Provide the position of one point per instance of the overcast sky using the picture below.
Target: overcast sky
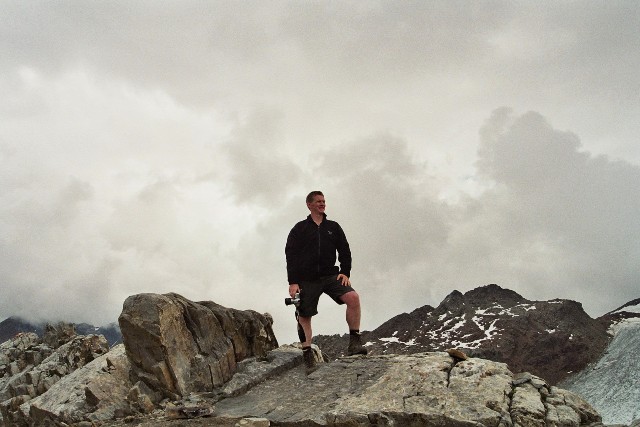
(168, 146)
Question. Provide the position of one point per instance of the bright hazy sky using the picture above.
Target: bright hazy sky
(168, 146)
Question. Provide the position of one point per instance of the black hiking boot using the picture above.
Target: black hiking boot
(355, 345)
(309, 360)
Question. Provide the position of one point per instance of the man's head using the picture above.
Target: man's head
(315, 202)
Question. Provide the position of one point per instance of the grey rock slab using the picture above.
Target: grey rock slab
(252, 372)
(407, 390)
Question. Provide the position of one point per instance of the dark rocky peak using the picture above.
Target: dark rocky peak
(491, 294)
(454, 302)
(403, 322)
(489, 297)
(422, 312)
(548, 338)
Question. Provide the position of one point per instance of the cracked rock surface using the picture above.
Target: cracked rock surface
(418, 389)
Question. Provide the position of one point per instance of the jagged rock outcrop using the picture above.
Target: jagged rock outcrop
(548, 338)
(34, 365)
(97, 392)
(177, 346)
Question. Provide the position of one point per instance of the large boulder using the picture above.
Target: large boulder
(177, 346)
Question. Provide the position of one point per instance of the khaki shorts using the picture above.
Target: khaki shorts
(310, 292)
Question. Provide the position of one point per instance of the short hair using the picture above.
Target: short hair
(313, 194)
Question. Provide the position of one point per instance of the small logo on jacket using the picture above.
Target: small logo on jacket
(329, 232)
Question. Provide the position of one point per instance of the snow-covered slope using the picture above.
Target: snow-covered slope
(612, 385)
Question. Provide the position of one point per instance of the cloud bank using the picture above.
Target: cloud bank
(169, 149)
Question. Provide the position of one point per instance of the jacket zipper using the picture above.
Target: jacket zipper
(318, 266)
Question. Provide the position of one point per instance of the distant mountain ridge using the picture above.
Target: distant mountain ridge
(551, 339)
(14, 325)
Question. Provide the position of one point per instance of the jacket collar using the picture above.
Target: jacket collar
(324, 216)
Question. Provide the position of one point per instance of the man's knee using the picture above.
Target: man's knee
(351, 299)
(304, 320)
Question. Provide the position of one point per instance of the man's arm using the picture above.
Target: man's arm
(344, 253)
(292, 254)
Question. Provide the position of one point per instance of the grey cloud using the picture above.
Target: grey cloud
(572, 210)
(260, 169)
(383, 39)
(196, 128)
(542, 168)
(43, 203)
(146, 220)
(40, 243)
(389, 199)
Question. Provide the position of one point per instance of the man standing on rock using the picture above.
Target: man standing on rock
(311, 250)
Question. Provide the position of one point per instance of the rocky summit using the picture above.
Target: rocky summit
(203, 364)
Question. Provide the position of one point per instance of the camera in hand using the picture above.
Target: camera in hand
(293, 301)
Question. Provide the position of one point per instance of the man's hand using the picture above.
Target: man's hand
(344, 280)
(294, 288)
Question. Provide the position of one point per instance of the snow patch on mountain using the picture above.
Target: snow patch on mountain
(412, 341)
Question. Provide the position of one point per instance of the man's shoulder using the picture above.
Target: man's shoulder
(331, 225)
(301, 224)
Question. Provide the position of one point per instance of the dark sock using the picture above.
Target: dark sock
(354, 331)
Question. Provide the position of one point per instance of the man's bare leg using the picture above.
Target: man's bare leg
(352, 300)
(305, 322)
(307, 353)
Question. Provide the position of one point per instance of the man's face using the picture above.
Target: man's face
(318, 205)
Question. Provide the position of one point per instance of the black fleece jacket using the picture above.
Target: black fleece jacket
(311, 250)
